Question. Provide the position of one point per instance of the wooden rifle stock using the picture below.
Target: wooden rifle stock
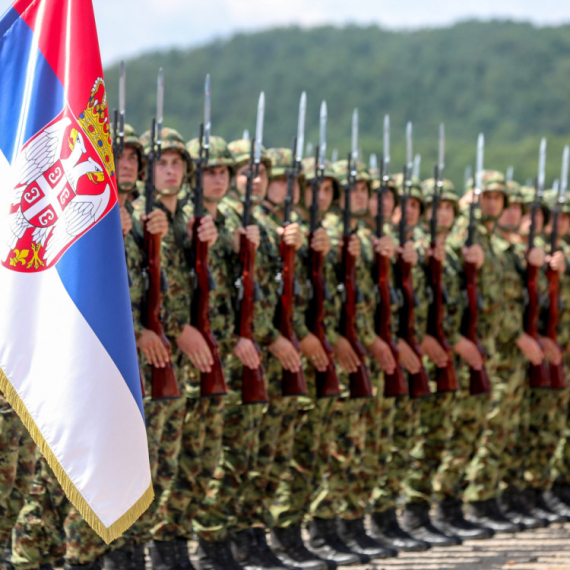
(557, 373)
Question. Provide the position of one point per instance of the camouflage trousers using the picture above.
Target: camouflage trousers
(311, 448)
(492, 462)
(223, 506)
(468, 419)
(17, 462)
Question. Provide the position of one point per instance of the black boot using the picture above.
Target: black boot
(119, 559)
(562, 492)
(325, 542)
(216, 555)
(289, 547)
(416, 521)
(264, 554)
(138, 557)
(96, 565)
(248, 553)
(538, 507)
(164, 554)
(515, 508)
(487, 513)
(45, 566)
(354, 536)
(450, 520)
(555, 504)
(386, 531)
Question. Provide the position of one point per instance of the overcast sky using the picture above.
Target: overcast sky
(129, 27)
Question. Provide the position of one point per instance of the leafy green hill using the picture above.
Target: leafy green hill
(508, 80)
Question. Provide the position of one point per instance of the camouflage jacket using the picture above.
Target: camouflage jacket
(564, 302)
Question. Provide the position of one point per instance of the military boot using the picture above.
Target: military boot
(487, 513)
(562, 492)
(246, 552)
(164, 554)
(138, 557)
(515, 508)
(119, 559)
(95, 565)
(289, 547)
(450, 520)
(353, 534)
(264, 554)
(216, 555)
(387, 531)
(325, 542)
(416, 521)
(556, 504)
(183, 557)
(539, 509)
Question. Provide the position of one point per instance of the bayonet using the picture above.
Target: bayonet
(207, 115)
(354, 145)
(541, 168)
(309, 149)
(322, 136)
(334, 155)
(556, 186)
(417, 166)
(259, 128)
(159, 107)
(564, 175)
(480, 159)
(466, 178)
(441, 153)
(510, 173)
(301, 127)
(409, 148)
(122, 103)
(386, 145)
(245, 135)
(373, 162)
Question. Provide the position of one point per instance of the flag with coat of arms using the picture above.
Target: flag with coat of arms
(68, 362)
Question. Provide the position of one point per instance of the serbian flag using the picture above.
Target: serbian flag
(68, 362)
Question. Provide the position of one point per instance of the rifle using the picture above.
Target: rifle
(539, 377)
(479, 382)
(292, 383)
(395, 383)
(418, 383)
(211, 383)
(253, 388)
(164, 384)
(360, 384)
(557, 373)
(119, 122)
(326, 382)
(445, 377)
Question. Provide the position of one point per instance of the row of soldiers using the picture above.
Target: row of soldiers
(245, 479)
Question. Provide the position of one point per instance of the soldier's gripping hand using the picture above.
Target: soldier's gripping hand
(466, 199)
(552, 351)
(556, 261)
(384, 246)
(469, 352)
(321, 241)
(434, 351)
(474, 254)
(206, 232)
(126, 221)
(250, 232)
(408, 358)
(247, 353)
(313, 350)
(380, 351)
(354, 246)
(345, 355)
(157, 222)
(291, 235)
(530, 348)
(439, 251)
(536, 256)
(285, 352)
(409, 253)
(194, 346)
(154, 351)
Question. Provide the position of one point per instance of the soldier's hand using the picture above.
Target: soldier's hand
(251, 233)
(354, 246)
(434, 351)
(285, 352)
(409, 253)
(207, 231)
(126, 221)
(194, 346)
(291, 235)
(154, 351)
(408, 358)
(381, 352)
(345, 355)
(157, 223)
(321, 241)
(384, 246)
(469, 352)
(439, 251)
(466, 199)
(247, 353)
(552, 351)
(474, 254)
(530, 349)
(557, 261)
(536, 257)
(313, 350)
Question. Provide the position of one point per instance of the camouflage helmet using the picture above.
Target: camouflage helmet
(515, 194)
(551, 198)
(171, 140)
(447, 193)
(415, 190)
(528, 194)
(218, 155)
(131, 138)
(375, 174)
(362, 174)
(281, 159)
(241, 149)
(329, 172)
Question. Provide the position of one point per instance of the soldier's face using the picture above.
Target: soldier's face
(492, 203)
(387, 204)
(169, 171)
(277, 190)
(538, 221)
(445, 214)
(324, 196)
(259, 185)
(359, 198)
(216, 182)
(128, 165)
(563, 224)
(413, 211)
(511, 216)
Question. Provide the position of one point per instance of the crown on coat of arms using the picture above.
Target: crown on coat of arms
(95, 123)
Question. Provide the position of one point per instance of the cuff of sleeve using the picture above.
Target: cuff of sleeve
(138, 328)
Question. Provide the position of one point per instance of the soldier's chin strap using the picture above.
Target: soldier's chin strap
(213, 200)
(359, 214)
(127, 187)
(509, 228)
(168, 191)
